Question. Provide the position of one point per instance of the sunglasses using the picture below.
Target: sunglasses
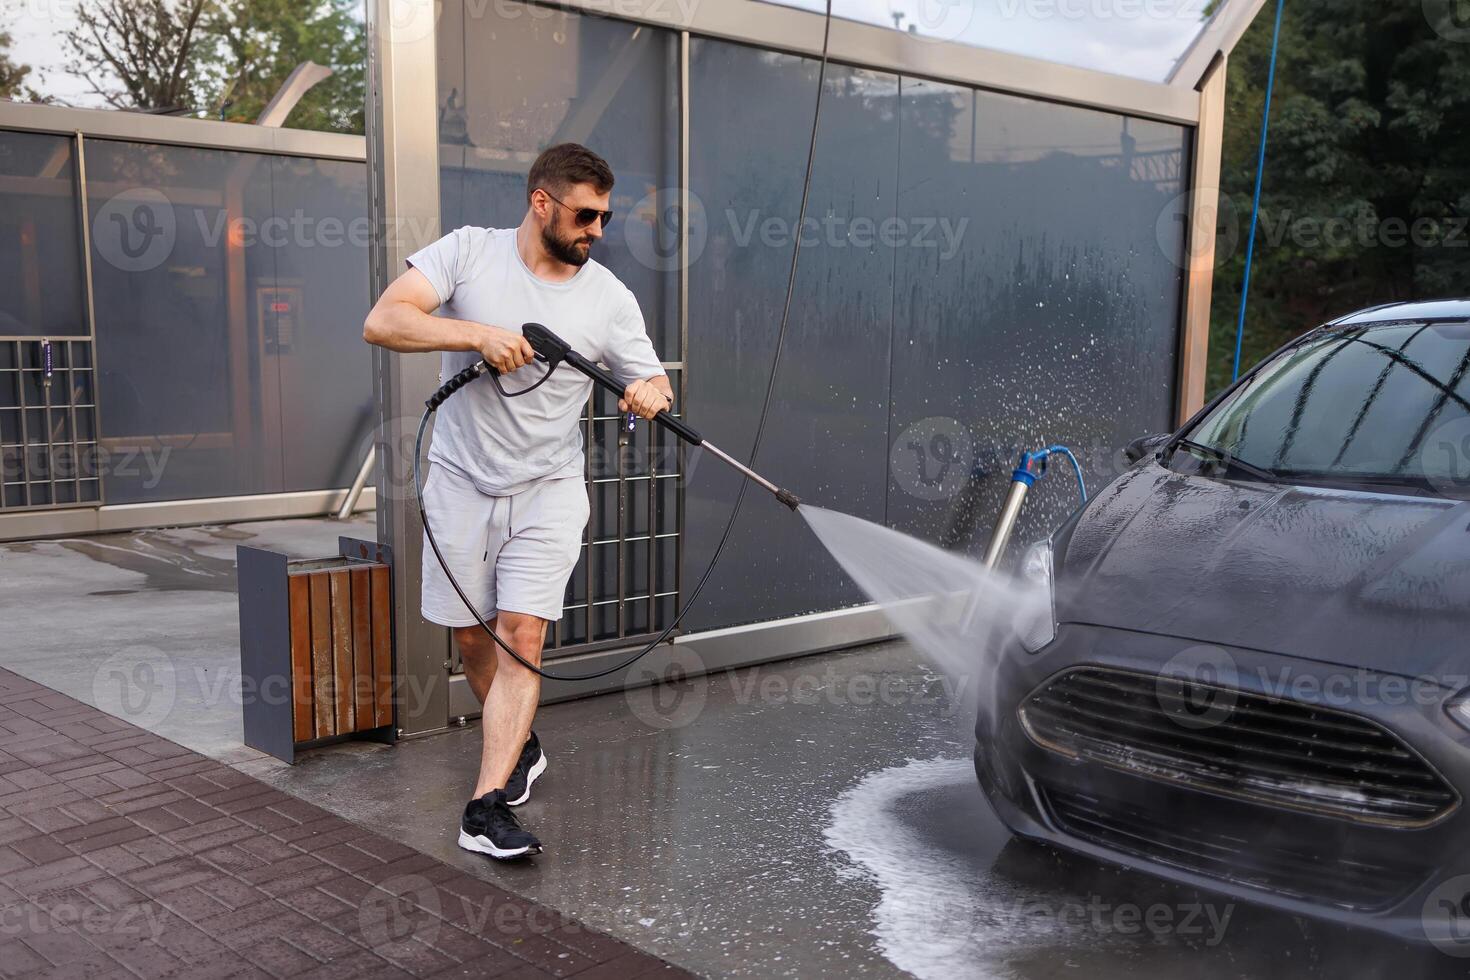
(584, 216)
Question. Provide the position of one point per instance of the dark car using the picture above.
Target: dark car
(1254, 676)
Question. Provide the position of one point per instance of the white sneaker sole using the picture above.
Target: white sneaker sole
(536, 770)
(483, 845)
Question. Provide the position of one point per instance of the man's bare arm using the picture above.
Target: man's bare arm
(402, 321)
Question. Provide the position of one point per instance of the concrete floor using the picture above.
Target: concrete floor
(790, 824)
(814, 817)
(145, 624)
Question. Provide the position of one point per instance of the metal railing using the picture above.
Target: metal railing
(48, 424)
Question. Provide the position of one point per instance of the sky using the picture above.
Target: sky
(1139, 38)
(37, 28)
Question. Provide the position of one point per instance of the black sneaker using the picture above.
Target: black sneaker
(529, 766)
(490, 828)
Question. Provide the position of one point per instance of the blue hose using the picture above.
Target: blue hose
(1033, 466)
(1064, 451)
(1250, 248)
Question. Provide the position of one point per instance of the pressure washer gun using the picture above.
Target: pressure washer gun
(1031, 468)
(553, 351)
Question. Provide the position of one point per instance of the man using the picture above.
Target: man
(505, 491)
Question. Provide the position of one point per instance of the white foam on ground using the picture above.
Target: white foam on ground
(939, 916)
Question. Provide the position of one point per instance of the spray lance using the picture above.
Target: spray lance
(1030, 469)
(552, 351)
(551, 348)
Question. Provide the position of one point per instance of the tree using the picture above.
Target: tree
(1366, 194)
(257, 43)
(137, 54)
(223, 59)
(12, 73)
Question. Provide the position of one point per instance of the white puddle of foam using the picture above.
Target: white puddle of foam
(939, 916)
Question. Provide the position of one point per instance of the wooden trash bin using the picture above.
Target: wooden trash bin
(316, 647)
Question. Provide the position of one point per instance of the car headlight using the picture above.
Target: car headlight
(1459, 709)
(1036, 620)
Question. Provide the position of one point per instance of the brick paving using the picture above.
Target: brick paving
(123, 854)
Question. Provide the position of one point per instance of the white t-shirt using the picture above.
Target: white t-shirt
(505, 445)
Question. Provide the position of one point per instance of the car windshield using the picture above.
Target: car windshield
(1376, 407)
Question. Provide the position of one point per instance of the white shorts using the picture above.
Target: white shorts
(511, 554)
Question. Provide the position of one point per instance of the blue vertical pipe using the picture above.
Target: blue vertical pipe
(1250, 247)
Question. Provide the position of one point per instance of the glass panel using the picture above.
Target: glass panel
(1059, 274)
(556, 77)
(182, 412)
(1138, 38)
(41, 291)
(605, 572)
(230, 290)
(309, 303)
(751, 115)
(572, 628)
(605, 622)
(668, 506)
(636, 521)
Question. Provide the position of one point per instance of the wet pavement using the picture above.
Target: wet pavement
(811, 817)
(819, 817)
(78, 611)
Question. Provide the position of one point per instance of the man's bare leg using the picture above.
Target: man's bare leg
(511, 702)
(478, 654)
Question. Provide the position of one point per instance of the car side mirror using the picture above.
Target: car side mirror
(1146, 445)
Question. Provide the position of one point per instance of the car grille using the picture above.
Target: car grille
(1284, 753)
(1292, 869)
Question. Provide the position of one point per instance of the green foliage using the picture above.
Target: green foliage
(137, 54)
(223, 59)
(255, 44)
(1366, 193)
(12, 73)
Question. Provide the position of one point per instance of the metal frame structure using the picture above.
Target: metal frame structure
(80, 125)
(210, 134)
(401, 152)
(403, 162)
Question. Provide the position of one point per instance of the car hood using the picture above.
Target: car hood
(1370, 580)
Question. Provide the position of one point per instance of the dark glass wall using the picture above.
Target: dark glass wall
(979, 275)
(1048, 314)
(826, 439)
(40, 246)
(610, 85)
(230, 290)
(47, 403)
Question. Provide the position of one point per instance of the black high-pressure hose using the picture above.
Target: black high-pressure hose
(471, 373)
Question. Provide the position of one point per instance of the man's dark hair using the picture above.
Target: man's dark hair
(560, 166)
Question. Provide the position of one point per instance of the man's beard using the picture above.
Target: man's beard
(566, 251)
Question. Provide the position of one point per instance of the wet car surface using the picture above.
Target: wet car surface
(1253, 676)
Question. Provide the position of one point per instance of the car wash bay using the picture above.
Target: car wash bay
(794, 819)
